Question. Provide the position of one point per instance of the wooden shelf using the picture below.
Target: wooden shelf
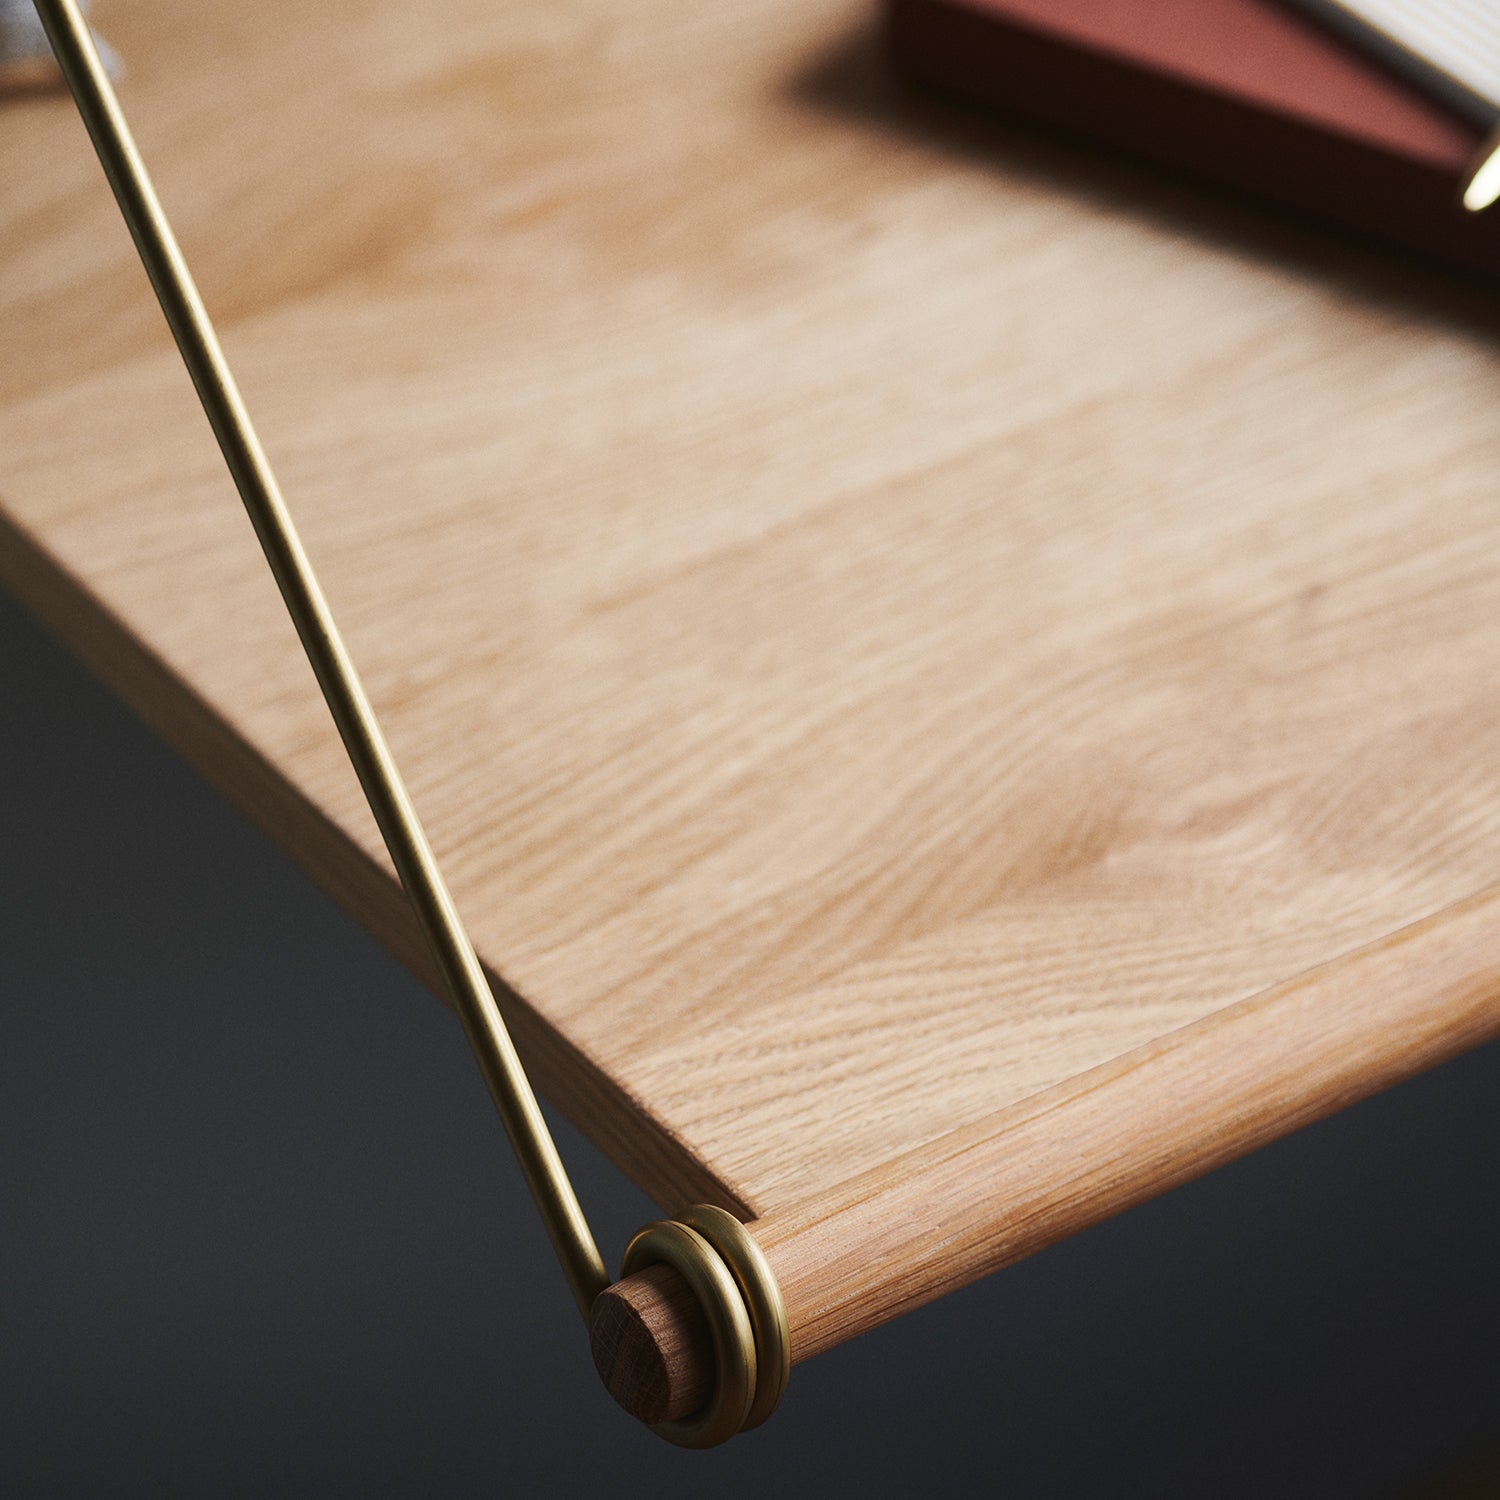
(954, 690)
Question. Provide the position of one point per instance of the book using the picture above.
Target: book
(1248, 95)
(1451, 47)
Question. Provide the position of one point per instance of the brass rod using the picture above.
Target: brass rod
(1483, 186)
(409, 849)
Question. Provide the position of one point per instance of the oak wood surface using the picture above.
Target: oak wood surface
(989, 1195)
(882, 621)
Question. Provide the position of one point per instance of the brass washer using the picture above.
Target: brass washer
(747, 1263)
(718, 1294)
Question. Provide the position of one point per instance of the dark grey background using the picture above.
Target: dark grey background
(259, 1232)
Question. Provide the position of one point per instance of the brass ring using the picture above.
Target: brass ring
(688, 1252)
(747, 1263)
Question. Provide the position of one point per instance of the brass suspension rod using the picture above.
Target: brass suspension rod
(409, 849)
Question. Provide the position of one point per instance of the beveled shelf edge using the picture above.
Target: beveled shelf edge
(365, 887)
(986, 1196)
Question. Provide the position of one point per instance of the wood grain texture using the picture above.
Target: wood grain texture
(987, 1196)
(881, 623)
(652, 1346)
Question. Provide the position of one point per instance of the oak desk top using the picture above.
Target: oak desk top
(954, 697)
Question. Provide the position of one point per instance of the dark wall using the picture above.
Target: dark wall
(259, 1233)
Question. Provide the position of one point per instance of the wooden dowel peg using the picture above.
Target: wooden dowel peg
(694, 1338)
(651, 1346)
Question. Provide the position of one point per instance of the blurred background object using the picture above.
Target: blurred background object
(1451, 47)
(25, 58)
(1252, 96)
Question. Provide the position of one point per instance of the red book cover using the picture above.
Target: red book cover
(1243, 94)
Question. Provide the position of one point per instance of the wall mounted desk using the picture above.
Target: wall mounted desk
(952, 701)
